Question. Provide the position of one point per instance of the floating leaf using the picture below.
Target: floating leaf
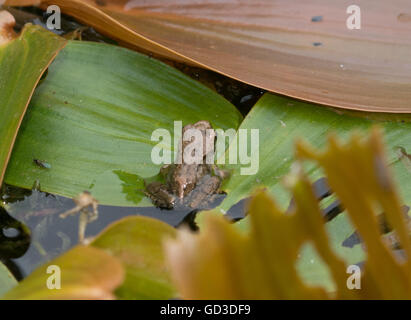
(22, 62)
(223, 263)
(281, 121)
(86, 273)
(275, 45)
(92, 119)
(138, 243)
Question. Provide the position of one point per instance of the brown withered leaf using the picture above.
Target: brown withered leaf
(6, 27)
(300, 49)
(223, 263)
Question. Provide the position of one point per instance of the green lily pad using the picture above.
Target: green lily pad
(92, 118)
(22, 62)
(281, 121)
(138, 243)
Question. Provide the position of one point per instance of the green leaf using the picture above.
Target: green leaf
(86, 273)
(282, 120)
(138, 243)
(92, 118)
(22, 62)
(7, 280)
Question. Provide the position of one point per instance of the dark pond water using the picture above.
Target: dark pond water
(33, 233)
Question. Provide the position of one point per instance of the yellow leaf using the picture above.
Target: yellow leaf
(222, 263)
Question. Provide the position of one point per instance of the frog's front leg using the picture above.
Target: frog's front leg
(160, 196)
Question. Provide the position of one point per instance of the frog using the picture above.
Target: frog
(84, 202)
(188, 185)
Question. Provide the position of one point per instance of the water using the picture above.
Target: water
(34, 233)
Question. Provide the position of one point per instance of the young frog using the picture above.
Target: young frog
(186, 184)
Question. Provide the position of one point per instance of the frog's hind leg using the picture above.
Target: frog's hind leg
(83, 221)
(92, 215)
(86, 216)
(70, 212)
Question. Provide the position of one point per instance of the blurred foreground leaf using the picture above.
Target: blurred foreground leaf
(7, 280)
(86, 273)
(126, 261)
(138, 243)
(223, 263)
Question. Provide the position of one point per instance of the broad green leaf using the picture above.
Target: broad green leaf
(85, 273)
(7, 280)
(274, 45)
(281, 121)
(92, 118)
(22, 62)
(138, 243)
